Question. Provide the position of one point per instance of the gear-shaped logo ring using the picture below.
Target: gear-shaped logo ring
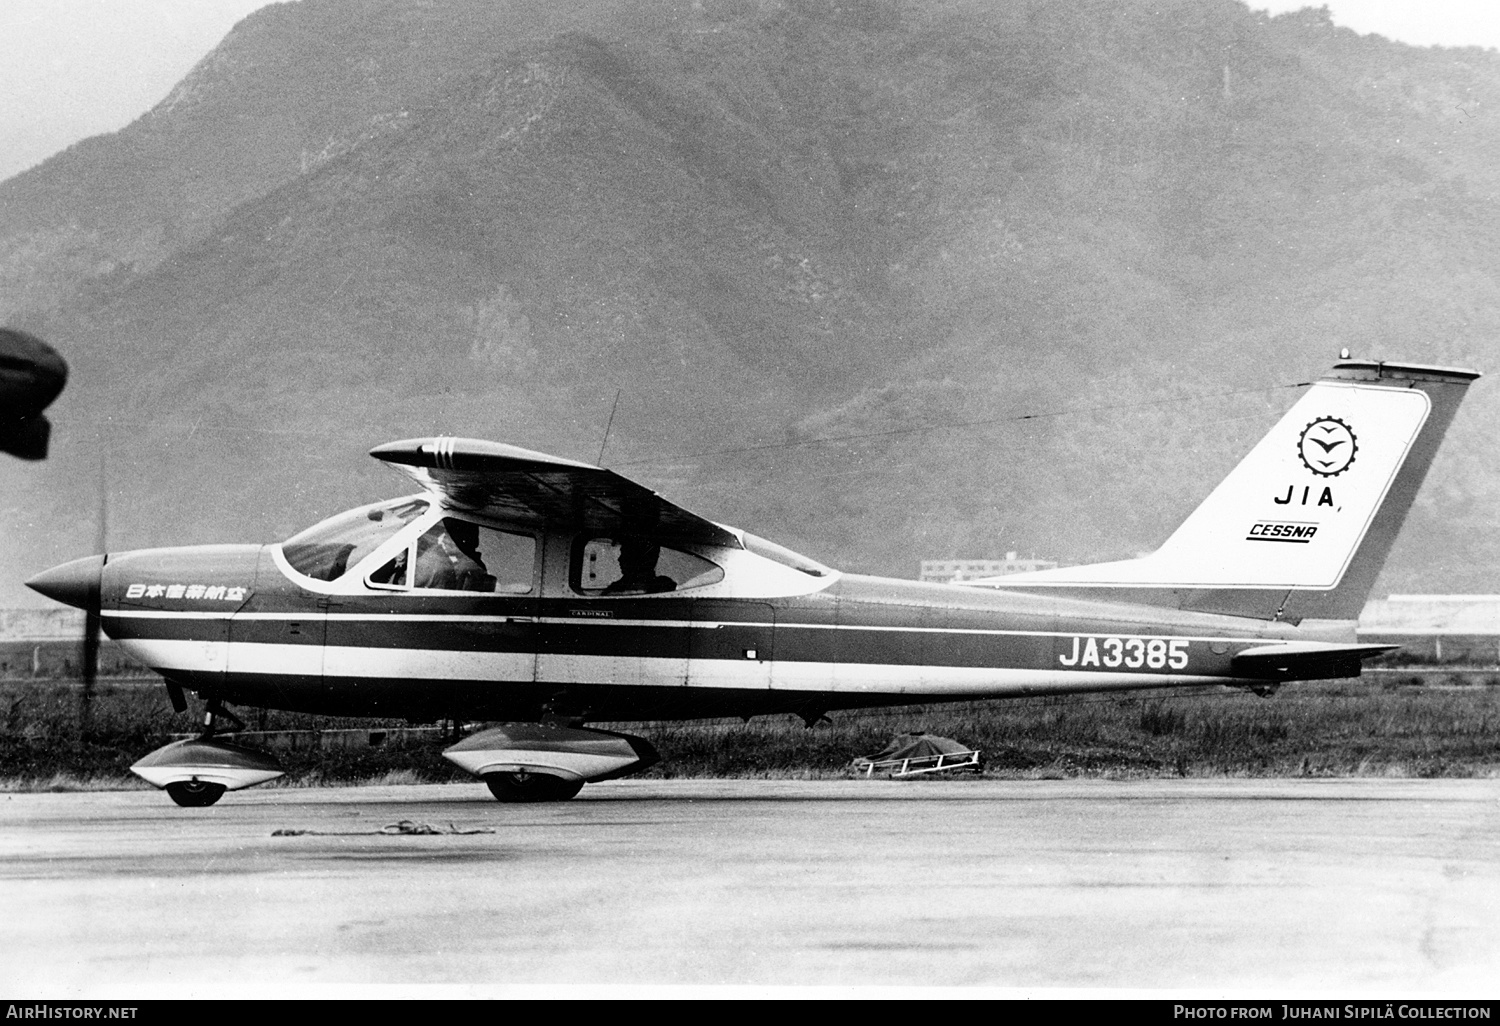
(1327, 447)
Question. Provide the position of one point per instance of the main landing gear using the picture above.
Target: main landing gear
(544, 762)
(525, 786)
(195, 793)
(197, 771)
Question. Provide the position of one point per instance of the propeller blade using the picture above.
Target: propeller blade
(78, 583)
(90, 662)
(92, 612)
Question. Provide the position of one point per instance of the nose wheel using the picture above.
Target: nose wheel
(199, 794)
(196, 771)
(194, 794)
(213, 711)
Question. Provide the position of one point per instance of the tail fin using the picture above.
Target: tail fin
(1301, 528)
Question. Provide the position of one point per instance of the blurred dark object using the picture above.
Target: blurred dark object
(31, 376)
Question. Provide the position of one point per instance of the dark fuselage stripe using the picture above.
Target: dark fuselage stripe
(859, 647)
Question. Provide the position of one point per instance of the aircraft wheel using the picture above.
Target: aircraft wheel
(195, 794)
(531, 787)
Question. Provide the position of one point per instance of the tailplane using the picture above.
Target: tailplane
(1300, 529)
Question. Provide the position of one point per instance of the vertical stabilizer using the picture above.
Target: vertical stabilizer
(1301, 528)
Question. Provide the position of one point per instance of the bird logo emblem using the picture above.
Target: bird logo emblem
(1327, 446)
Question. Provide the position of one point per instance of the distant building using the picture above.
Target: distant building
(49, 643)
(1441, 628)
(946, 571)
(30, 625)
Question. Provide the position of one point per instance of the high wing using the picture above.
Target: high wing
(506, 482)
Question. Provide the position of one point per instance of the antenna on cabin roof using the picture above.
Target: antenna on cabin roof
(609, 424)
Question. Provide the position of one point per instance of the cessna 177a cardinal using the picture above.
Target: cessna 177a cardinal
(545, 593)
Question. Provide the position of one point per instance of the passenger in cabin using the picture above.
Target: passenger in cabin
(465, 538)
(394, 572)
(448, 558)
(638, 570)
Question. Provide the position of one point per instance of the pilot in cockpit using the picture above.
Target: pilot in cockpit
(448, 558)
(638, 570)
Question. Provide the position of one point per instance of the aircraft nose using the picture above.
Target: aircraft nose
(75, 582)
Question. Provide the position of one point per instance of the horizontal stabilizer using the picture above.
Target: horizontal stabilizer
(1304, 660)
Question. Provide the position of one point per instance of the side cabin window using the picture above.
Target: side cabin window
(459, 555)
(325, 550)
(637, 566)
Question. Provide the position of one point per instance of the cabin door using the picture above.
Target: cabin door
(733, 645)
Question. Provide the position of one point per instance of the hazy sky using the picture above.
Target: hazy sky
(74, 68)
(1419, 22)
(70, 69)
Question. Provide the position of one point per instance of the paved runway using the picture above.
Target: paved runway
(1384, 888)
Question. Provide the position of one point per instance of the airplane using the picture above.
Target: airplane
(31, 376)
(542, 594)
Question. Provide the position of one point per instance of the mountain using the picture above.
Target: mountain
(1043, 270)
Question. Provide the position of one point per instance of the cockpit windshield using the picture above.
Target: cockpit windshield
(783, 555)
(324, 551)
